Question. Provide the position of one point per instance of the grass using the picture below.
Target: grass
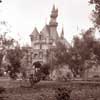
(88, 93)
(47, 91)
(29, 94)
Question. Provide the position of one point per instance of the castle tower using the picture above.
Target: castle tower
(53, 24)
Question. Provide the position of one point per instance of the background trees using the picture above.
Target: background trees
(10, 50)
(96, 13)
(81, 56)
(81, 51)
(14, 56)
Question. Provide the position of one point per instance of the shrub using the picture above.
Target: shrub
(63, 93)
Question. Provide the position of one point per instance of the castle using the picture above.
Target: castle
(44, 40)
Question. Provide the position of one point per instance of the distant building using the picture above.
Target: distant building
(44, 40)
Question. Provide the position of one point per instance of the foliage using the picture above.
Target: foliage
(82, 55)
(13, 52)
(45, 70)
(96, 13)
(61, 53)
(33, 79)
(1, 56)
(14, 56)
(63, 93)
(79, 59)
(5, 43)
(58, 55)
(41, 73)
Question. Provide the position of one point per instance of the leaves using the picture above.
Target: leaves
(96, 13)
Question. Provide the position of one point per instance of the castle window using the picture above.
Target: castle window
(35, 38)
(35, 55)
(31, 36)
(40, 46)
(41, 54)
(40, 37)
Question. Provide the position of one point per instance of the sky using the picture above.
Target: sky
(23, 15)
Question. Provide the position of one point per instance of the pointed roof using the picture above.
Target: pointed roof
(53, 9)
(62, 34)
(54, 12)
(35, 32)
(63, 40)
(45, 31)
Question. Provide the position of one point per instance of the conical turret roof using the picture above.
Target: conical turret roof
(63, 40)
(45, 31)
(35, 32)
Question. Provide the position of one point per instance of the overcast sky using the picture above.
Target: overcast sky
(24, 15)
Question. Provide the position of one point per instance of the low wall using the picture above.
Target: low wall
(13, 83)
(72, 84)
(8, 83)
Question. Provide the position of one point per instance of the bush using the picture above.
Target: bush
(45, 71)
(2, 90)
(63, 93)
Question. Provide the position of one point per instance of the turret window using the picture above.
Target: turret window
(35, 55)
(40, 46)
(41, 54)
(39, 37)
(32, 38)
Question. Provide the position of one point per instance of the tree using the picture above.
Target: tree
(81, 56)
(96, 13)
(5, 44)
(45, 70)
(9, 50)
(82, 52)
(59, 54)
(14, 56)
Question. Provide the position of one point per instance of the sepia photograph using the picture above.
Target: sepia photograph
(49, 50)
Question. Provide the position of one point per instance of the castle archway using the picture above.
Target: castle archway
(37, 64)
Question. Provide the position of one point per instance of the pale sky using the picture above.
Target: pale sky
(24, 15)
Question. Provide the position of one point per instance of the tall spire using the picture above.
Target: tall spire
(62, 33)
(53, 23)
(53, 16)
(53, 9)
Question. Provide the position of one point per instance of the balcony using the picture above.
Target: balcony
(39, 41)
